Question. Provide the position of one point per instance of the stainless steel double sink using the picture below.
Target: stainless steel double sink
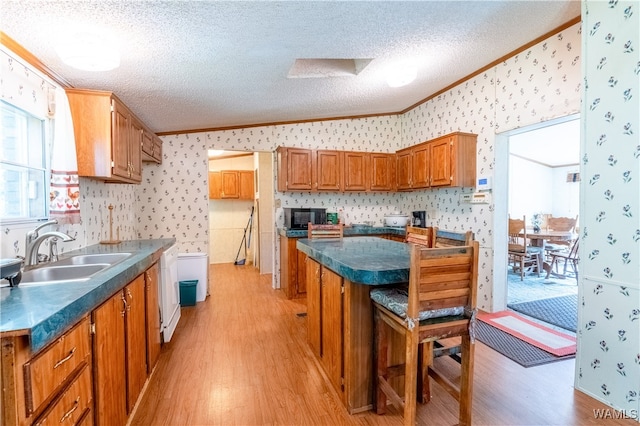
(78, 268)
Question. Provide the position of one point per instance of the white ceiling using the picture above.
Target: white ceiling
(554, 146)
(190, 65)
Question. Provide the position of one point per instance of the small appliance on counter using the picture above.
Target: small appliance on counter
(419, 219)
(396, 219)
(299, 218)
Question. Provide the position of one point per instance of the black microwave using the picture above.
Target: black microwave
(299, 218)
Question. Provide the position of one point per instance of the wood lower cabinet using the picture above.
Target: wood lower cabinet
(293, 275)
(136, 347)
(153, 316)
(109, 362)
(120, 353)
(73, 407)
(340, 333)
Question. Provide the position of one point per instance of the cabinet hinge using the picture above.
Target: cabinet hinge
(92, 328)
(113, 164)
(451, 178)
(342, 290)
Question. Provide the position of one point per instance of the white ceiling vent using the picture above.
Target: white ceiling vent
(324, 68)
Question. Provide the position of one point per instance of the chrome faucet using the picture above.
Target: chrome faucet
(33, 241)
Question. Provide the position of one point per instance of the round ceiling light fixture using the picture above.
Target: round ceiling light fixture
(89, 51)
(401, 75)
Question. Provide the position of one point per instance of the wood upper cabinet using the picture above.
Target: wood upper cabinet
(231, 184)
(151, 278)
(356, 171)
(109, 137)
(294, 167)
(382, 171)
(453, 160)
(445, 161)
(403, 169)
(328, 170)
(151, 147)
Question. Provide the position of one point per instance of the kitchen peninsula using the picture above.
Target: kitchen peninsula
(292, 266)
(340, 274)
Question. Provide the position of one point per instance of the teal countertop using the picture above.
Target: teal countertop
(44, 312)
(349, 231)
(364, 260)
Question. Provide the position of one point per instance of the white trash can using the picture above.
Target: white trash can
(195, 266)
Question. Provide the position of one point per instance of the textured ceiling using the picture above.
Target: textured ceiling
(190, 65)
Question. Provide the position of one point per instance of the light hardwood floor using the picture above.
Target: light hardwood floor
(241, 358)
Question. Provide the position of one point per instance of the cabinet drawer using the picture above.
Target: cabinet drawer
(72, 405)
(48, 370)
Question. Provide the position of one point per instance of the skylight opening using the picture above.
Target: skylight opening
(327, 68)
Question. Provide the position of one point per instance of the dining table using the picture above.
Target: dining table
(540, 238)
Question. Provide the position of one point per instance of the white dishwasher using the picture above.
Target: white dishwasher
(169, 292)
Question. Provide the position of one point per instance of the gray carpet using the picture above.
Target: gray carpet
(560, 311)
(513, 348)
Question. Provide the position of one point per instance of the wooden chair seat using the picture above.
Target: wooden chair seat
(442, 290)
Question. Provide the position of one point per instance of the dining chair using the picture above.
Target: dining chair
(521, 254)
(421, 236)
(570, 257)
(565, 224)
(325, 231)
(439, 302)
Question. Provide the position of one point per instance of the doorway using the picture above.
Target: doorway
(537, 171)
(240, 209)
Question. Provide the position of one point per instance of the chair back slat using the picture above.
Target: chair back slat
(561, 223)
(444, 238)
(442, 277)
(420, 236)
(325, 231)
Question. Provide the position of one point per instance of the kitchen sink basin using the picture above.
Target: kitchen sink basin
(92, 259)
(59, 274)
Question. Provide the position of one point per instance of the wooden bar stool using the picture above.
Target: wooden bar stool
(439, 303)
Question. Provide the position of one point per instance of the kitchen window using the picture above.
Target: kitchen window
(24, 178)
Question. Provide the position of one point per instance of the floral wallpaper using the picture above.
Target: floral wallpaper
(608, 363)
(543, 82)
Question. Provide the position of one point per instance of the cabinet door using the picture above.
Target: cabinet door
(301, 274)
(229, 184)
(420, 166)
(215, 185)
(73, 405)
(110, 386)
(136, 133)
(136, 340)
(328, 170)
(441, 162)
(147, 145)
(314, 294)
(246, 190)
(331, 326)
(153, 317)
(120, 140)
(299, 163)
(382, 171)
(356, 177)
(403, 169)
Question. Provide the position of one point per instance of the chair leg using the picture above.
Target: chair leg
(466, 381)
(381, 351)
(425, 360)
(521, 268)
(410, 377)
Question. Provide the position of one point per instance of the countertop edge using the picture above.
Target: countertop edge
(98, 290)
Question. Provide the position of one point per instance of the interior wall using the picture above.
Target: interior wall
(265, 205)
(530, 188)
(608, 356)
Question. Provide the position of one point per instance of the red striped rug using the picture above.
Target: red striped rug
(545, 338)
